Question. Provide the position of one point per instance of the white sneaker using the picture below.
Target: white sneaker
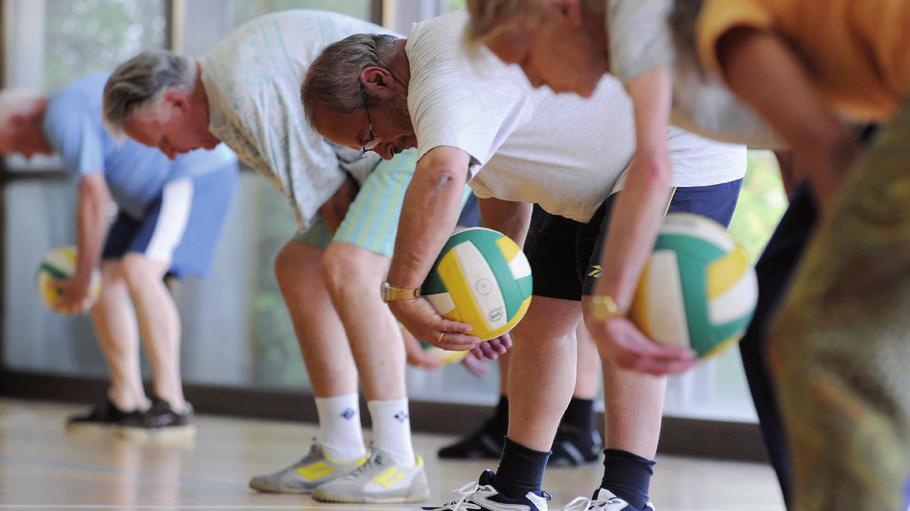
(483, 496)
(303, 477)
(378, 481)
(604, 500)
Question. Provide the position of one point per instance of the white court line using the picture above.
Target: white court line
(301, 507)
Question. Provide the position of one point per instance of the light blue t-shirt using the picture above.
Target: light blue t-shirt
(135, 174)
(252, 80)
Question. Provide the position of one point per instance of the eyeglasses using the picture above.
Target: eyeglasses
(374, 141)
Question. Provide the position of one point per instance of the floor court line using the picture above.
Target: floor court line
(300, 507)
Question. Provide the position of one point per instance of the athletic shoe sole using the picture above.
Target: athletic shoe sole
(409, 499)
(170, 434)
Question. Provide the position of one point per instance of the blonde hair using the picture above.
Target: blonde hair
(489, 17)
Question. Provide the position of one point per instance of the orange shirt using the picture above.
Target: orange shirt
(858, 51)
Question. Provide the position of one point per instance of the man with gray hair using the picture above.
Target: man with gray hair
(246, 93)
(516, 146)
(169, 217)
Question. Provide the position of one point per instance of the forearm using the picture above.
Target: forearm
(508, 217)
(641, 204)
(428, 215)
(634, 222)
(766, 73)
(91, 224)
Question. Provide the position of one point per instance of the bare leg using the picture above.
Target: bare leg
(158, 323)
(542, 372)
(353, 276)
(115, 324)
(587, 379)
(323, 343)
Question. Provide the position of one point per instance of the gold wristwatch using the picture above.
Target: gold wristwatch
(603, 307)
(393, 294)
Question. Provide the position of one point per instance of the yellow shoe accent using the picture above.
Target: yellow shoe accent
(388, 478)
(316, 471)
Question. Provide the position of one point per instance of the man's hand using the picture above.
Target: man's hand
(416, 356)
(478, 368)
(422, 320)
(493, 348)
(623, 344)
(335, 209)
(74, 295)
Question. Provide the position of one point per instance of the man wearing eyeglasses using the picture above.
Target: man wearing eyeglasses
(483, 123)
(246, 93)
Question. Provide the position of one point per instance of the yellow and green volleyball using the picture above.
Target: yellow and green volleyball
(60, 264)
(698, 288)
(482, 278)
(441, 355)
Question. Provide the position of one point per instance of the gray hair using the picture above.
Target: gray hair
(334, 77)
(142, 81)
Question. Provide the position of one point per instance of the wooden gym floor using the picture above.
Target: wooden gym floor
(43, 467)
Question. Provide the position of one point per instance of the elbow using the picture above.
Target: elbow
(93, 191)
(445, 178)
(654, 171)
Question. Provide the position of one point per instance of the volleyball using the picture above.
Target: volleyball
(698, 288)
(482, 278)
(60, 264)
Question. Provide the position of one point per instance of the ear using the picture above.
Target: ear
(177, 99)
(378, 81)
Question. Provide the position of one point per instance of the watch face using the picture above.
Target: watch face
(384, 291)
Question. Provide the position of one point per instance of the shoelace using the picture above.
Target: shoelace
(586, 504)
(374, 459)
(460, 503)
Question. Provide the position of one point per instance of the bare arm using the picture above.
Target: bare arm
(633, 228)
(428, 216)
(91, 228)
(765, 72)
(641, 204)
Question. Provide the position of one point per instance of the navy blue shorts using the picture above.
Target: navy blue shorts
(565, 254)
(181, 227)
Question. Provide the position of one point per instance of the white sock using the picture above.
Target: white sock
(339, 427)
(392, 430)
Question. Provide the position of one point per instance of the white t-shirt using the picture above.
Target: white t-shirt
(563, 152)
(253, 79)
(641, 39)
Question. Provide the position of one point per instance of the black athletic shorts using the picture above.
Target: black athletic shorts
(565, 254)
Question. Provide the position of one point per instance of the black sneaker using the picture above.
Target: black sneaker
(159, 421)
(483, 496)
(573, 447)
(102, 415)
(477, 445)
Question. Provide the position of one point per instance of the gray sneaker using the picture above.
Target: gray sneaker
(378, 481)
(314, 469)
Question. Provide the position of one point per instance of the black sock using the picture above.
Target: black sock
(628, 476)
(498, 424)
(580, 414)
(520, 470)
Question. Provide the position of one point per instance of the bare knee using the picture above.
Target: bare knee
(297, 269)
(284, 263)
(348, 269)
(138, 271)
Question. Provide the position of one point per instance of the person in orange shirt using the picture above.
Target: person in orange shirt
(840, 344)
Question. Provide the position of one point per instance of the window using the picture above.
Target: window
(94, 35)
